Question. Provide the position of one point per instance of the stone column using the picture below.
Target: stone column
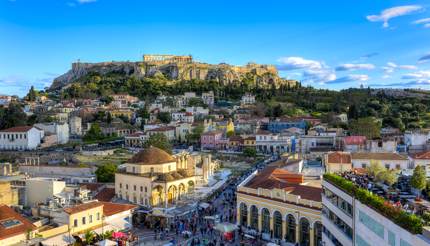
(311, 236)
(297, 231)
(284, 228)
(260, 224)
(271, 232)
(248, 222)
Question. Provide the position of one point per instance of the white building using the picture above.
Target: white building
(20, 138)
(421, 159)
(380, 145)
(346, 221)
(387, 160)
(60, 130)
(267, 142)
(247, 99)
(39, 190)
(75, 126)
(417, 140)
(208, 98)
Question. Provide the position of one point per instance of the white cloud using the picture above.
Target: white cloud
(423, 74)
(422, 21)
(390, 13)
(427, 25)
(291, 63)
(391, 67)
(318, 76)
(350, 78)
(424, 58)
(352, 67)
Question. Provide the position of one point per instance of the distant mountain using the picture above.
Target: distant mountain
(177, 68)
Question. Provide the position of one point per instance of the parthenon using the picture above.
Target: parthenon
(168, 58)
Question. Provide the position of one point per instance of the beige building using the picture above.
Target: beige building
(337, 161)
(281, 205)
(153, 177)
(39, 190)
(8, 196)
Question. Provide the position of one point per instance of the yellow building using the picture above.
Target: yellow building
(249, 142)
(281, 206)
(8, 196)
(153, 177)
(14, 228)
(84, 216)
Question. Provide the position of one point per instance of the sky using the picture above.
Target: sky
(332, 44)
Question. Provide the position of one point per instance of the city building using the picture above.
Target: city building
(211, 140)
(123, 100)
(75, 123)
(247, 99)
(270, 143)
(20, 138)
(387, 160)
(8, 195)
(168, 131)
(337, 162)
(281, 205)
(40, 190)
(354, 143)
(347, 220)
(278, 126)
(60, 131)
(208, 98)
(153, 177)
(14, 228)
(421, 159)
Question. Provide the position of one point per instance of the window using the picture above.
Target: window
(126, 186)
(84, 220)
(134, 187)
(91, 218)
(98, 216)
(146, 189)
(363, 165)
(75, 223)
(391, 238)
(152, 169)
(387, 166)
(169, 167)
(371, 224)
(398, 166)
(120, 185)
(141, 188)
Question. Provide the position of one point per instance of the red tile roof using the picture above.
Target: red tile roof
(82, 207)
(421, 156)
(272, 177)
(17, 129)
(7, 213)
(105, 195)
(339, 157)
(354, 140)
(110, 208)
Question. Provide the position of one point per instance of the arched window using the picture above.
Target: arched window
(318, 233)
(254, 217)
(243, 214)
(304, 232)
(277, 225)
(291, 229)
(265, 223)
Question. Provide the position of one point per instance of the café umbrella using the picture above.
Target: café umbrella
(225, 227)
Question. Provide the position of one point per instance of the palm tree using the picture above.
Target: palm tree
(89, 237)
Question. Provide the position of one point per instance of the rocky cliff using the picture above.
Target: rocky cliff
(171, 69)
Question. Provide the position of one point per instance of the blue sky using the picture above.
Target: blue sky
(328, 44)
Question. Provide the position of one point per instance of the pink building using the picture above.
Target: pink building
(211, 140)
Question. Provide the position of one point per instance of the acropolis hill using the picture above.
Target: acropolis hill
(176, 68)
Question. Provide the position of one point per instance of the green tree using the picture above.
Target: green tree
(106, 173)
(365, 127)
(249, 152)
(95, 133)
(388, 176)
(195, 134)
(109, 118)
(375, 168)
(159, 140)
(32, 94)
(418, 179)
(12, 116)
(164, 117)
(278, 111)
